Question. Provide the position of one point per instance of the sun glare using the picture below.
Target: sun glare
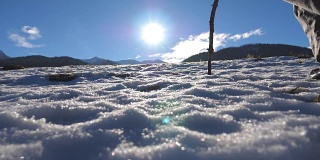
(153, 33)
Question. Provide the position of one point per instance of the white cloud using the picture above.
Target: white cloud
(155, 55)
(22, 41)
(138, 56)
(196, 44)
(236, 37)
(193, 45)
(257, 32)
(34, 32)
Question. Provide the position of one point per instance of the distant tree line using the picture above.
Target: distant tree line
(253, 50)
(41, 61)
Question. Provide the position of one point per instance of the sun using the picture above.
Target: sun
(153, 33)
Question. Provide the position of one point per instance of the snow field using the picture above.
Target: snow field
(245, 110)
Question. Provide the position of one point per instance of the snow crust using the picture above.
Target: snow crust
(245, 110)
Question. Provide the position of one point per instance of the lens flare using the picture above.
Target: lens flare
(166, 120)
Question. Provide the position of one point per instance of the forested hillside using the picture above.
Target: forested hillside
(253, 50)
(41, 61)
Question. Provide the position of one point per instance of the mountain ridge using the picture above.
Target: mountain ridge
(41, 61)
(253, 50)
(132, 61)
(99, 61)
(3, 55)
(249, 50)
(128, 61)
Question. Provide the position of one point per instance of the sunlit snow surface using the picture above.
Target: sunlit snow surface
(245, 110)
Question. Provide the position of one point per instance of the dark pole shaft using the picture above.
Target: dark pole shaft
(213, 12)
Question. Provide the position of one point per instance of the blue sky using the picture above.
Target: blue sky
(112, 29)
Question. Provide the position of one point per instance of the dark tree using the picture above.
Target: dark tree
(213, 12)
